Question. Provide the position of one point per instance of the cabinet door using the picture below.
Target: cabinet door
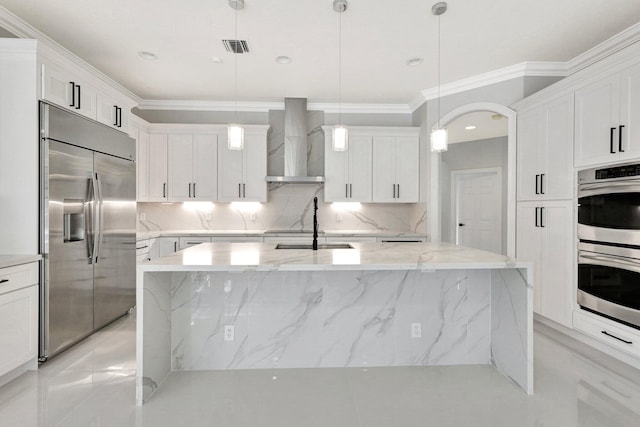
(531, 139)
(106, 112)
(359, 171)
(88, 100)
(56, 86)
(528, 238)
(180, 167)
(336, 174)
(19, 328)
(384, 169)
(142, 164)
(230, 174)
(166, 246)
(255, 168)
(158, 167)
(205, 168)
(557, 262)
(407, 169)
(596, 124)
(557, 182)
(629, 141)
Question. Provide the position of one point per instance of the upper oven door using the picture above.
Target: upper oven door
(610, 212)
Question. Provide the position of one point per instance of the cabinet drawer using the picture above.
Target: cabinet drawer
(187, 242)
(608, 331)
(18, 277)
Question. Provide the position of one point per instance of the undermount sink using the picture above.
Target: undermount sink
(310, 246)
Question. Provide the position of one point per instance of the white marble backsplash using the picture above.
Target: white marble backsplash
(333, 319)
(289, 208)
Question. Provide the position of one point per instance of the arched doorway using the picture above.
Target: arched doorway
(435, 208)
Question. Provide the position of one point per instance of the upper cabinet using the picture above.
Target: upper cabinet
(607, 115)
(348, 173)
(157, 168)
(396, 165)
(192, 167)
(545, 151)
(380, 165)
(241, 173)
(70, 88)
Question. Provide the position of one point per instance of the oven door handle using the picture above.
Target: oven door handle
(605, 260)
(594, 189)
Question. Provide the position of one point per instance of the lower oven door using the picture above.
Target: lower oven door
(609, 283)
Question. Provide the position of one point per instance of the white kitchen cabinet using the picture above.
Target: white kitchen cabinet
(157, 168)
(545, 236)
(65, 89)
(348, 173)
(608, 119)
(141, 136)
(545, 151)
(192, 167)
(396, 164)
(18, 316)
(241, 173)
(608, 331)
(163, 246)
(143, 251)
(111, 112)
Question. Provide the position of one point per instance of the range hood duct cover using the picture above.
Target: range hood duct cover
(295, 144)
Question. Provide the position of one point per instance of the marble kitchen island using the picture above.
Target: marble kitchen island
(249, 306)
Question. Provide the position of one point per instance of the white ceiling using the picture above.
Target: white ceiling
(478, 36)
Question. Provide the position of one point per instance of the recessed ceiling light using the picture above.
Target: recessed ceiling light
(413, 62)
(472, 127)
(283, 60)
(216, 60)
(147, 56)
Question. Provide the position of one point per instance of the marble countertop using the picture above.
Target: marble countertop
(248, 233)
(363, 256)
(12, 260)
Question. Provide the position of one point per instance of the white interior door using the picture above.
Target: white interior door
(478, 209)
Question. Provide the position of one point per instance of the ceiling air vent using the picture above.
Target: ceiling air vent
(236, 46)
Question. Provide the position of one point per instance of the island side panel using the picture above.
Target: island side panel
(153, 334)
(330, 319)
(512, 325)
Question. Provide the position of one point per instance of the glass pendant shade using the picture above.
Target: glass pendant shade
(340, 138)
(439, 139)
(235, 137)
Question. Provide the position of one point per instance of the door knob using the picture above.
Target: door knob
(461, 224)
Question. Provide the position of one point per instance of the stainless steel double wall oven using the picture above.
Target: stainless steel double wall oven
(609, 242)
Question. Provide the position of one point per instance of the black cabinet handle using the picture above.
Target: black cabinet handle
(244, 191)
(618, 338)
(175, 246)
(398, 192)
(346, 191)
(164, 190)
(394, 191)
(537, 217)
(461, 224)
(189, 190)
(350, 191)
(537, 188)
(194, 190)
(620, 138)
(4, 281)
(143, 247)
(116, 118)
(611, 141)
(541, 183)
(73, 94)
(542, 218)
(79, 97)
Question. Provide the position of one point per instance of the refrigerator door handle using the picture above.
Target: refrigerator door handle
(93, 202)
(99, 218)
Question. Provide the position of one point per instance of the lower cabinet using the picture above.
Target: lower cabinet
(164, 246)
(18, 316)
(187, 242)
(545, 236)
(608, 331)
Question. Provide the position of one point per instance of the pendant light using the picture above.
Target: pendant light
(340, 132)
(235, 132)
(439, 135)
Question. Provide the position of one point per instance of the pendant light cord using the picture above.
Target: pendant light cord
(340, 68)
(235, 61)
(439, 70)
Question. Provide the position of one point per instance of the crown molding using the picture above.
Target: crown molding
(336, 108)
(24, 30)
(623, 39)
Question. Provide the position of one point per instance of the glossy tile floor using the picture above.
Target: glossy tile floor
(93, 385)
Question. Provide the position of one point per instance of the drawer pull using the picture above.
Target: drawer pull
(4, 281)
(618, 338)
(143, 247)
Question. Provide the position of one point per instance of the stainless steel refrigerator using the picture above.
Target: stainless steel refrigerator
(87, 227)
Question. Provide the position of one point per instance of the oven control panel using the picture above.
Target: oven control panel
(618, 172)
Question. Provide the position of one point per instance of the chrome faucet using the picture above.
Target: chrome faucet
(315, 224)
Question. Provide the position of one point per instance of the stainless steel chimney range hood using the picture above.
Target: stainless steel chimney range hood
(295, 145)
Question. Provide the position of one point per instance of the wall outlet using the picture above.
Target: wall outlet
(143, 216)
(229, 332)
(416, 330)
